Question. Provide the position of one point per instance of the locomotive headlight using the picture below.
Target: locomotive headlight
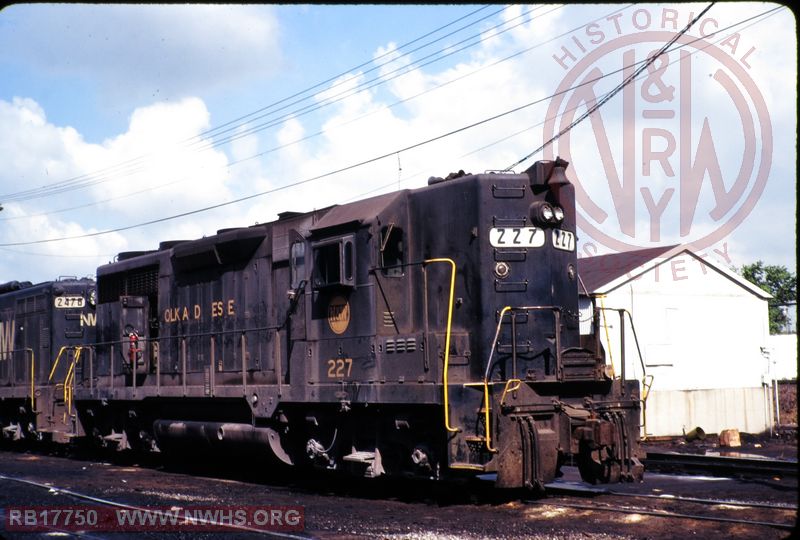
(93, 297)
(542, 213)
(558, 214)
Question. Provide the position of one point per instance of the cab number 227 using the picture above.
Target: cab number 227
(339, 368)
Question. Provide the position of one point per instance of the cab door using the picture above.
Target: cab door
(134, 326)
(341, 324)
(287, 302)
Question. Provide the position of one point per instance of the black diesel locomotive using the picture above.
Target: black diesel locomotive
(431, 332)
(43, 331)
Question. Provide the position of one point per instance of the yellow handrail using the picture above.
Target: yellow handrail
(506, 390)
(608, 337)
(486, 408)
(70, 379)
(447, 338)
(55, 364)
(486, 377)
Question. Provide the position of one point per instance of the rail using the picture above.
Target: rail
(214, 335)
(487, 403)
(69, 381)
(665, 514)
(56, 361)
(31, 355)
(445, 381)
(9, 356)
(646, 384)
(33, 377)
(671, 462)
(622, 312)
(448, 332)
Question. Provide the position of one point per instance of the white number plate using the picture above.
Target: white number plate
(69, 302)
(563, 240)
(508, 237)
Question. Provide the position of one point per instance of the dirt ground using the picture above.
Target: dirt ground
(781, 445)
(359, 510)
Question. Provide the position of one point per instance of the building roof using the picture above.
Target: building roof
(602, 269)
(604, 273)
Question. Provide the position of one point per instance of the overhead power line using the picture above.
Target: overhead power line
(103, 175)
(752, 20)
(333, 128)
(616, 90)
(383, 156)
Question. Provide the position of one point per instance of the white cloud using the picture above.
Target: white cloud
(361, 127)
(142, 175)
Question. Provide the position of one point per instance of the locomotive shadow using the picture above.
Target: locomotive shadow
(256, 470)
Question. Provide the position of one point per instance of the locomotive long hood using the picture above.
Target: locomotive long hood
(225, 248)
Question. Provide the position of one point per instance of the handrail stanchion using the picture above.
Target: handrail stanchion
(158, 367)
(447, 339)
(183, 364)
(212, 371)
(622, 350)
(33, 375)
(91, 371)
(244, 364)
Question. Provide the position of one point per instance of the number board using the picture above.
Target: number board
(510, 237)
(563, 240)
(63, 302)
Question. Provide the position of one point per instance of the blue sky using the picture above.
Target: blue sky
(137, 104)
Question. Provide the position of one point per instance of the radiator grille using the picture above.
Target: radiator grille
(138, 282)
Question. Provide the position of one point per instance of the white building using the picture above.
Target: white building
(702, 330)
(782, 350)
(782, 347)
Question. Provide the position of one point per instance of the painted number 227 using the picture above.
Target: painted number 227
(339, 368)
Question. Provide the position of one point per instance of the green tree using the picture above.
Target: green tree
(777, 281)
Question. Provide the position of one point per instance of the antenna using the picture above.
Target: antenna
(399, 173)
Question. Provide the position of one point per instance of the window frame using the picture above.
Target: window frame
(385, 242)
(346, 262)
(297, 272)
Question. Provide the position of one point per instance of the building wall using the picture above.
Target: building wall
(783, 355)
(701, 335)
(677, 412)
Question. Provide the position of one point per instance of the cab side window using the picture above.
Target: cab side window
(298, 259)
(334, 263)
(392, 251)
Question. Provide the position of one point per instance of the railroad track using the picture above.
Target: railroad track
(661, 513)
(672, 462)
(86, 498)
(761, 518)
(557, 490)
